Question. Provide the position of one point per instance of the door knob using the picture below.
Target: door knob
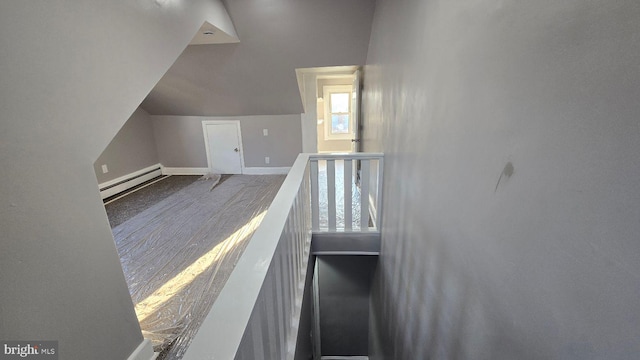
(236, 150)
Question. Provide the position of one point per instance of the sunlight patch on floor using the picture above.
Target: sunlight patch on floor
(171, 288)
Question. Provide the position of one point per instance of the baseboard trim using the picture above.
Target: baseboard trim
(144, 351)
(184, 170)
(126, 182)
(266, 170)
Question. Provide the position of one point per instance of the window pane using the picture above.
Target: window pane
(339, 124)
(339, 102)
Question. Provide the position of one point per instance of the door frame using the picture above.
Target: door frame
(308, 86)
(206, 140)
(356, 112)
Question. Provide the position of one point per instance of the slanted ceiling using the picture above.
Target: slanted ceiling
(257, 75)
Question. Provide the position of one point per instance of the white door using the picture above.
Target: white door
(223, 148)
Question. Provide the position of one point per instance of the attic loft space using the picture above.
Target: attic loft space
(209, 34)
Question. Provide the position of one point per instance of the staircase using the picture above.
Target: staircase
(329, 205)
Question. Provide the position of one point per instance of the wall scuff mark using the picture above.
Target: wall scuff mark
(506, 172)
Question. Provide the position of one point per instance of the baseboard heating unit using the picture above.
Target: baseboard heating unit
(123, 183)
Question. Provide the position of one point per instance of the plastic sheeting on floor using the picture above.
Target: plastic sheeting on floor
(178, 254)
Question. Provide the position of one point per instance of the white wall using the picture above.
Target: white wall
(545, 264)
(309, 119)
(133, 148)
(72, 74)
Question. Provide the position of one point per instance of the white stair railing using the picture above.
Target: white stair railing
(346, 192)
(256, 314)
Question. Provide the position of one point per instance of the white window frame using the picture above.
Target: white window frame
(327, 90)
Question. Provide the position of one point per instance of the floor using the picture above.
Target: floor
(179, 249)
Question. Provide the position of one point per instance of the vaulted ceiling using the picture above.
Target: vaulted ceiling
(257, 75)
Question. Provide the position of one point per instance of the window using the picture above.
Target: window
(337, 112)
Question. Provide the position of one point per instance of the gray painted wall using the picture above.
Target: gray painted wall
(511, 194)
(133, 148)
(180, 141)
(72, 74)
(344, 289)
(282, 145)
(257, 76)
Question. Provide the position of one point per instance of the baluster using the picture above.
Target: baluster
(331, 193)
(379, 195)
(365, 176)
(315, 200)
(348, 195)
(257, 335)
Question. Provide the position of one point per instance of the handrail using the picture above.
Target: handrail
(257, 312)
(221, 333)
(356, 156)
